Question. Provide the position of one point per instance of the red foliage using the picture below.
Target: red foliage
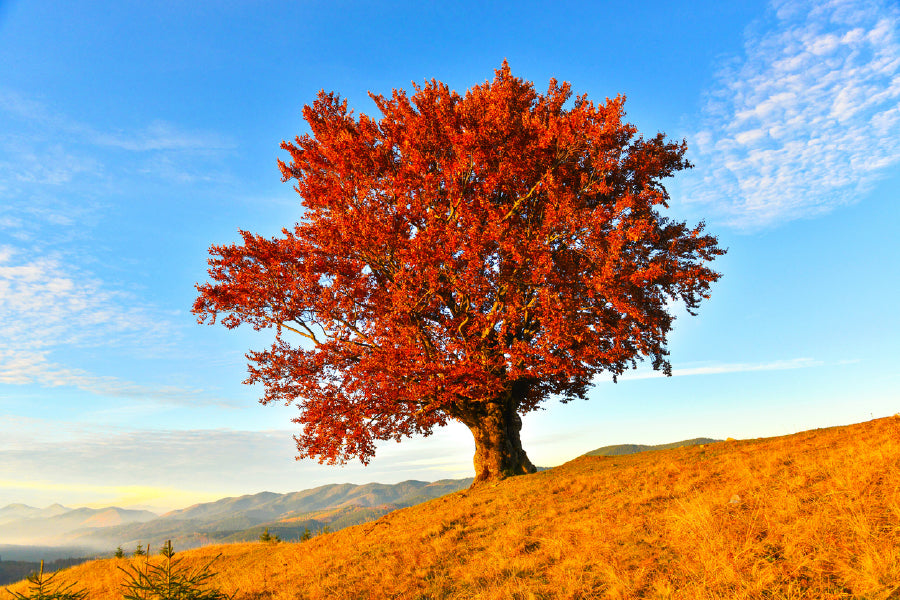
(460, 250)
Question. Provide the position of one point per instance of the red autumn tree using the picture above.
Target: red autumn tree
(463, 257)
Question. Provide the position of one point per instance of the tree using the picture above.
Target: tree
(265, 536)
(169, 580)
(462, 258)
(44, 588)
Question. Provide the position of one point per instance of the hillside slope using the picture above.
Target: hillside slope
(811, 515)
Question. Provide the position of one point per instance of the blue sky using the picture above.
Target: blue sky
(133, 135)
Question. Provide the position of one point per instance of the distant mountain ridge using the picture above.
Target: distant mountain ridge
(243, 518)
(17, 512)
(239, 518)
(52, 525)
(623, 449)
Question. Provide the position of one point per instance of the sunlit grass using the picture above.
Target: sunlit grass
(814, 515)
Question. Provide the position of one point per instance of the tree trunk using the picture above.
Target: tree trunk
(498, 449)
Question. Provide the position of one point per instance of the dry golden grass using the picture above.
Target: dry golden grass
(814, 515)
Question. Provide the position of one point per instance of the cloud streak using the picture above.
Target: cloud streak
(53, 169)
(47, 305)
(725, 368)
(807, 120)
(46, 302)
(46, 154)
(158, 135)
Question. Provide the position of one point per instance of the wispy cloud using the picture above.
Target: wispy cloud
(723, 368)
(157, 135)
(52, 163)
(807, 119)
(46, 302)
(58, 174)
(161, 135)
(47, 305)
(20, 367)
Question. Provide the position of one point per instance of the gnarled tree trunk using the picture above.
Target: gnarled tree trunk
(498, 450)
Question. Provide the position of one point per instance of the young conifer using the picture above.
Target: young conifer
(43, 588)
(169, 581)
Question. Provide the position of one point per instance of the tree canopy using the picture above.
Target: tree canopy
(462, 257)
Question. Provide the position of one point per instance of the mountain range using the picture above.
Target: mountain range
(100, 531)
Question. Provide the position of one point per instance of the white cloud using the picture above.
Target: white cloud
(722, 368)
(805, 121)
(21, 367)
(161, 135)
(54, 171)
(53, 165)
(158, 135)
(45, 302)
(48, 305)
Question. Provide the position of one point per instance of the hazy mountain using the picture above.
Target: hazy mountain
(18, 512)
(622, 449)
(27, 525)
(266, 506)
(228, 519)
(244, 517)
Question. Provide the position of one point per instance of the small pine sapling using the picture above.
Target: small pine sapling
(169, 581)
(43, 588)
(267, 537)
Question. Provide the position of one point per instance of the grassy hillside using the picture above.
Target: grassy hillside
(813, 515)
